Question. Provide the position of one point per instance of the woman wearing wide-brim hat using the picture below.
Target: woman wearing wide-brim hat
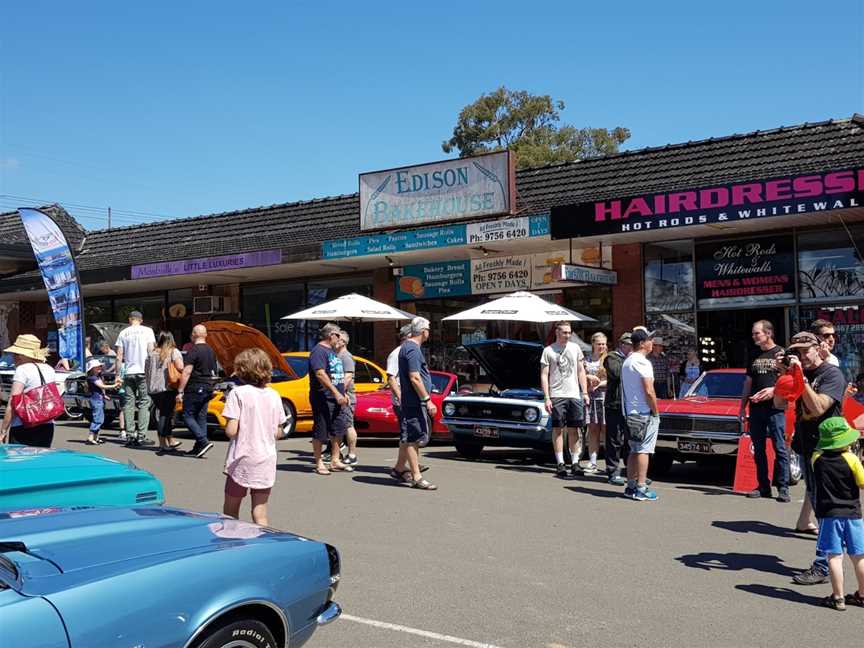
(29, 364)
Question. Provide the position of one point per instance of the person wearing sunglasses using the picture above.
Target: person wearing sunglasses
(824, 330)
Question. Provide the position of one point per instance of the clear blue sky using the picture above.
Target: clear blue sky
(188, 108)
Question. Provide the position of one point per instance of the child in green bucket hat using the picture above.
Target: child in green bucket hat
(838, 477)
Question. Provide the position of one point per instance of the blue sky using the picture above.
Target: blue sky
(186, 108)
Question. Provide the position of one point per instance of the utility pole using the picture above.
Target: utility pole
(109, 218)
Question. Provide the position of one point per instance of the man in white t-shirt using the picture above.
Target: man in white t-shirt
(133, 344)
(565, 388)
(639, 407)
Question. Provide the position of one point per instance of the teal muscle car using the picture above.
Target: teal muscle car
(52, 477)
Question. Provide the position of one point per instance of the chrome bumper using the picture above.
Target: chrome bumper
(330, 614)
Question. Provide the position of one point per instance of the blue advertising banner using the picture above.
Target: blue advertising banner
(436, 237)
(60, 276)
(431, 280)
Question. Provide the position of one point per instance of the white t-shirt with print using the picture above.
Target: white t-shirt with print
(563, 363)
(134, 340)
(28, 375)
(634, 400)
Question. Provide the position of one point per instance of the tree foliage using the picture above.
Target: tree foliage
(530, 126)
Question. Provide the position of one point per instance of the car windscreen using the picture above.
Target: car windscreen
(300, 365)
(719, 385)
(439, 383)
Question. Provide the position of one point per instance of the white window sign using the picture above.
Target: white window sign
(500, 274)
(510, 229)
(437, 192)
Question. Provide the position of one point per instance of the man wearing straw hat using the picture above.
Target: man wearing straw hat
(30, 371)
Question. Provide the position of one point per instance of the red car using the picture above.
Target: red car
(374, 414)
(705, 422)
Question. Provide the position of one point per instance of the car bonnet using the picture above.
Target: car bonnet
(510, 363)
(227, 339)
(84, 538)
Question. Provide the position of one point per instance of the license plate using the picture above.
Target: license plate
(703, 447)
(487, 432)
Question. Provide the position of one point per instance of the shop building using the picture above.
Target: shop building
(696, 239)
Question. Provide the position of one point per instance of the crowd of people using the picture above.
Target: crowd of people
(607, 398)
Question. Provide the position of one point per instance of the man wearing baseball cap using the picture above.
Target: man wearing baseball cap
(639, 406)
(134, 344)
(821, 399)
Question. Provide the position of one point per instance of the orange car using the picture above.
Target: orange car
(292, 384)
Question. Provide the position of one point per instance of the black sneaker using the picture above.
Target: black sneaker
(201, 449)
(811, 576)
(561, 471)
(756, 493)
(576, 470)
(144, 441)
(783, 495)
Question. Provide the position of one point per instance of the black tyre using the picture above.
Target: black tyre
(73, 413)
(468, 449)
(291, 415)
(660, 464)
(243, 633)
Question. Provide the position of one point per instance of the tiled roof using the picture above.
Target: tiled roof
(299, 228)
(12, 231)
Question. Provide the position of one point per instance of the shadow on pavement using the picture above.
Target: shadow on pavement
(737, 562)
(596, 492)
(782, 593)
(757, 526)
(527, 468)
(379, 481)
(707, 490)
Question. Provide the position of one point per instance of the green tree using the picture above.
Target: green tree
(529, 125)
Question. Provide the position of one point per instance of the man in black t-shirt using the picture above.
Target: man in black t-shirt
(767, 420)
(822, 398)
(196, 388)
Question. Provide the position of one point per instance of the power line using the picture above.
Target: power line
(127, 216)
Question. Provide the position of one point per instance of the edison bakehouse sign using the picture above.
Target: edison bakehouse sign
(437, 192)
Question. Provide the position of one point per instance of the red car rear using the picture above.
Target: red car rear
(374, 414)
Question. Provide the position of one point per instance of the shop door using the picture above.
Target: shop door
(725, 335)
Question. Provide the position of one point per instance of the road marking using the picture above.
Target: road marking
(420, 633)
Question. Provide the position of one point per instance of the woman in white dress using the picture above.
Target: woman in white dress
(595, 416)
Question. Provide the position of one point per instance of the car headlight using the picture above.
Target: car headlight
(531, 414)
(449, 409)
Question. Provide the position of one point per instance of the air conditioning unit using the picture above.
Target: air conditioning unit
(207, 305)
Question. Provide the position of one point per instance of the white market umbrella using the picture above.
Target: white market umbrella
(520, 307)
(354, 308)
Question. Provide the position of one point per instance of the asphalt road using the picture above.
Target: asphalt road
(506, 555)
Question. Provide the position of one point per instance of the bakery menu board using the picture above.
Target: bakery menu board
(745, 272)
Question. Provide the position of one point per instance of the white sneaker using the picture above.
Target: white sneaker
(591, 469)
(123, 438)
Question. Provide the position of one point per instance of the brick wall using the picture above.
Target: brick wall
(627, 297)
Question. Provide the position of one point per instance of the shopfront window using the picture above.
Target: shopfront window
(150, 306)
(669, 283)
(97, 310)
(593, 301)
(830, 265)
(264, 305)
(848, 321)
(362, 339)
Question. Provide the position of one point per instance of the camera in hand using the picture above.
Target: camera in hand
(787, 354)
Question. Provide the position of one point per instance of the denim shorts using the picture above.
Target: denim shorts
(649, 441)
(837, 533)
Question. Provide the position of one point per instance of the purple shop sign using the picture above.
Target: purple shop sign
(207, 264)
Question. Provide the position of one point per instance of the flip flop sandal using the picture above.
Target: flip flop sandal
(91, 442)
(855, 599)
(321, 471)
(403, 477)
(838, 604)
(342, 469)
(423, 484)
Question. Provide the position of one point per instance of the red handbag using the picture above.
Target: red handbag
(38, 405)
